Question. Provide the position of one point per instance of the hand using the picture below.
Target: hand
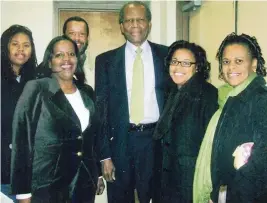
(210, 201)
(108, 170)
(28, 200)
(100, 186)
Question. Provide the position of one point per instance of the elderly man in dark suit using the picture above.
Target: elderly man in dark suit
(130, 89)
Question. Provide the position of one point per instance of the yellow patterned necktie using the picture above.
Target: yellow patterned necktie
(137, 95)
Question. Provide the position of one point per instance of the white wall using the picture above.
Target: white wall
(39, 17)
(210, 24)
(36, 15)
(163, 22)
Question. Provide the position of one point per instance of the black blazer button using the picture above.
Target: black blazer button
(165, 170)
(79, 154)
(167, 144)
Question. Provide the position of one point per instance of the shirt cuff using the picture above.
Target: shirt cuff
(105, 159)
(23, 196)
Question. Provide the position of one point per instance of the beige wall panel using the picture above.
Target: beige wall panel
(208, 26)
(104, 31)
(252, 20)
(36, 15)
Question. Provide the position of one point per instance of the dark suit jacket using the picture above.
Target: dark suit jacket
(243, 119)
(112, 100)
(47, 137)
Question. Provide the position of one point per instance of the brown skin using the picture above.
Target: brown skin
(108, 170)
(100, 186)
(135, 32)
(76, 30)
(28, 200)
(180, 75)
(64, 64)
(237, 64)
(19, 51)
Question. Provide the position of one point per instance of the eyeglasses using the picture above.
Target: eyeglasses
(186, 64)
(130, 21)
(61, 55)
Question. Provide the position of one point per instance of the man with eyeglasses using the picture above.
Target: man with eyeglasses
(130, 84)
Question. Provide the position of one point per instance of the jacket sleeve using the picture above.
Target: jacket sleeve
(23, 130)
(102, 92)
(98, 128)
(250, 180)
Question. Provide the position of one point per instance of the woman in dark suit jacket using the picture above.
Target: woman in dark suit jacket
(238, 172)
(53, 155)
(18, 63)
(182, 125)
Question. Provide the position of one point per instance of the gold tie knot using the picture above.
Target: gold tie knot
(138, 50)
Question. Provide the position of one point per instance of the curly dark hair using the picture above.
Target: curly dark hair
(250, 43)
(45, 71)
(202, 64)
(136, 3)
(27, 70)
(78, 19)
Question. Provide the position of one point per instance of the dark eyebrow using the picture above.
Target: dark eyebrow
(13, 40)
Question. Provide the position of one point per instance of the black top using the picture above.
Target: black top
(181, 129)
(10, 93)
(243, 119)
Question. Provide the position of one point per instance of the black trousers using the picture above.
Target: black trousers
(134, 170)
(83, 194)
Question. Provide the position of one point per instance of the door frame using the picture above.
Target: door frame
(82, 6)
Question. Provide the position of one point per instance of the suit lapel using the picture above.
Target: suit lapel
(159, 75)
(118, 82)
(60, 102)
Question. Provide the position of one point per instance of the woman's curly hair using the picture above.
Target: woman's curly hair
(202, 64)
(252, 46)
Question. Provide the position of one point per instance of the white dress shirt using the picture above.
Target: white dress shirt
(89, 69)
(151, 109)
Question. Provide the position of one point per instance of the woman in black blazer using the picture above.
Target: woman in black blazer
(18, 63)
(54, 127)
(182, 125)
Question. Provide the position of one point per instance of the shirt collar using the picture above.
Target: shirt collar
(132, 48)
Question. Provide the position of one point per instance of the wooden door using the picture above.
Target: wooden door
(104, 34)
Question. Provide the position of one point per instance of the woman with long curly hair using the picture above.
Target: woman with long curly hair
(179, 132)
(18, 63)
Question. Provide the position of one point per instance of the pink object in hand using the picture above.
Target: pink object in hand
(242, 154)
(246, 152)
